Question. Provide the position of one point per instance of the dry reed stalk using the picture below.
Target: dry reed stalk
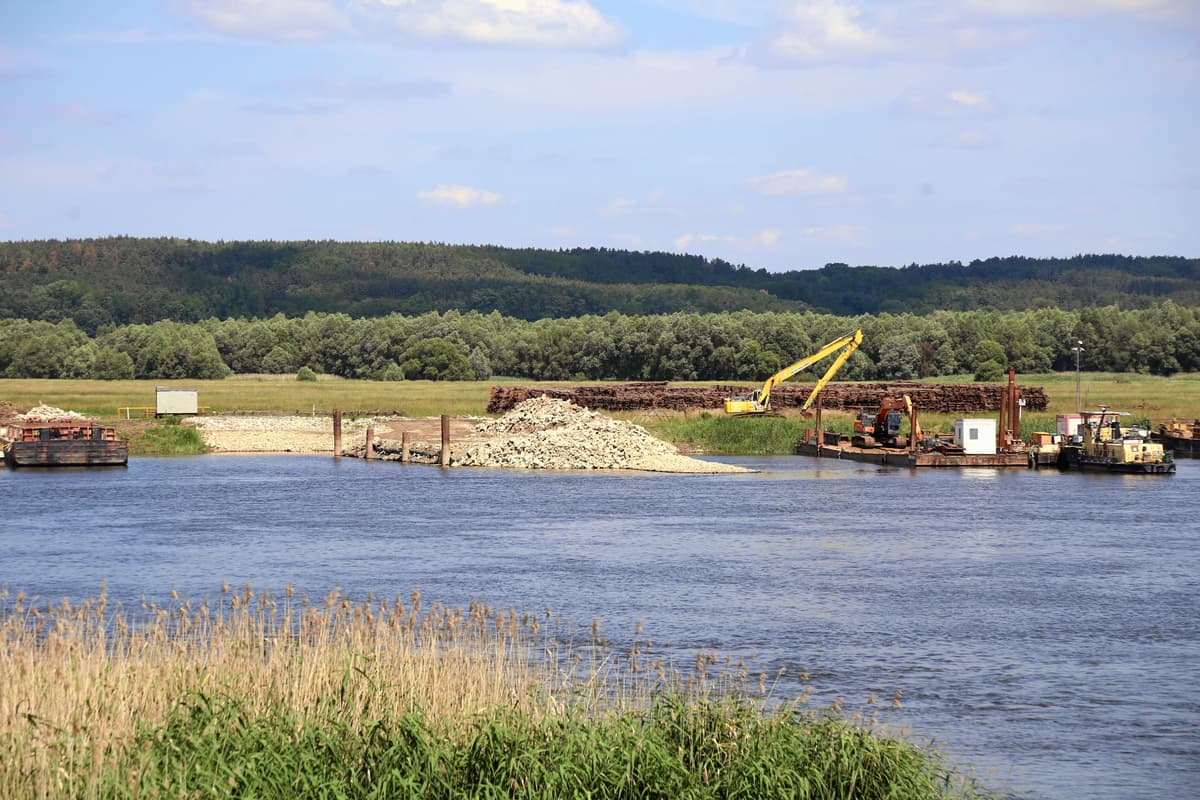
(79, 680)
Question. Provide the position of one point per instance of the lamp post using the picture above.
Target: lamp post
(1078, 348)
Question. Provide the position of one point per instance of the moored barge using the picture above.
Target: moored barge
(51, 437)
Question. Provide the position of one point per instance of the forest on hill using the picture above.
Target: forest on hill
(171, 308)
(100, 283)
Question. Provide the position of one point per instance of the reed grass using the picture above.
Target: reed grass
(255, 695)
(167, 439)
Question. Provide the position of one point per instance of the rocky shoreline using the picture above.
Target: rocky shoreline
(538, 433)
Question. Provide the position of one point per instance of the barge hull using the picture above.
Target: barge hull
(1071, 460)
(1180, 446)
(67, 453)
(903, 458)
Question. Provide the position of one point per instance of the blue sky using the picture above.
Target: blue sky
(782, 135)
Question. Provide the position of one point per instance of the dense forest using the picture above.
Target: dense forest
(122, 280)
(171, 308)
(742, 345)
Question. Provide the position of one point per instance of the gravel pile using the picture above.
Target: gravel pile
(546, 433)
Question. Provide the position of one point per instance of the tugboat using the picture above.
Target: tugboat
(50, 437)
(1104, 445)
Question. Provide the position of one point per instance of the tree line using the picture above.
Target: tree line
(116, 281)
(742, 345)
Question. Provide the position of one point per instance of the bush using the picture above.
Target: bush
(989, 372)
(306, 374)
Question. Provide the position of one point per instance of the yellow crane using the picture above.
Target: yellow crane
(759, 401)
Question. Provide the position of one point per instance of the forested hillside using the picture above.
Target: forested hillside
(121, 280)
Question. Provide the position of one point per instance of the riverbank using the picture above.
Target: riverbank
(540, 433)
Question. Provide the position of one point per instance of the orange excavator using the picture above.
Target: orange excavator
(882, 429)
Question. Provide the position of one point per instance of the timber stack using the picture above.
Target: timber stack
(944, 398)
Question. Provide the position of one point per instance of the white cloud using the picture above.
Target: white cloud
(650, 204)
(555, 24)
(769, 237)
(561, 24)
(946, 104)
(288, 20)
(838, 234)
(456, 195)
(1148, 9)
(798, 181)
(1037, 229)
(765, 239)
(824, 30)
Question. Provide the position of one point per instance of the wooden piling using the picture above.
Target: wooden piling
(337, 433)
(405, 456)
(445, 459)
(370, 454)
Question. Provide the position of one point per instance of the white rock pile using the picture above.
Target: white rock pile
(545, 433)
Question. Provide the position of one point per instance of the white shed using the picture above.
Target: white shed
(171, 400)
(977, 436)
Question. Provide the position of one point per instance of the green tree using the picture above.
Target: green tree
(436, 360)
(111, 364)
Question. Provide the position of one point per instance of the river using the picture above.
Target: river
(1042, 627)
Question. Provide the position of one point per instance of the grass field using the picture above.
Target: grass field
(1149, 398)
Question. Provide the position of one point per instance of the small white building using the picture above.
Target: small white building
(976, 436)
(171, 400)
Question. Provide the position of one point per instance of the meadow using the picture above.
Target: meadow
(1150, 399)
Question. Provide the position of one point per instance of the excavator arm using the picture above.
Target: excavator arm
(759, 402)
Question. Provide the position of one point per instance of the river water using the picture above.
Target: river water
(1042, 627)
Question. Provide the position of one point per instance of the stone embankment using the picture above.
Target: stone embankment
(539, 433)
(273, 434)
(545, 433)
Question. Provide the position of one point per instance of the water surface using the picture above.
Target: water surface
(1041, 626)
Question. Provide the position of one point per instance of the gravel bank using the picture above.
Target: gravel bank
(545, 433)
(274, 434)
(539, 433)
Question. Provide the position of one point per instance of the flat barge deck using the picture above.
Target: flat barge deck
(895, 457)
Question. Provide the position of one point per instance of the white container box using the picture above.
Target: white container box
(976, 436)
(176, 401)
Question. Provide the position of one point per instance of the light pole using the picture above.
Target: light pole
(1078, 348)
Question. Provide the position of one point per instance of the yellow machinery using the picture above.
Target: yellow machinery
(759, 401)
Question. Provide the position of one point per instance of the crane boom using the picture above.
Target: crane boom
(759, 401)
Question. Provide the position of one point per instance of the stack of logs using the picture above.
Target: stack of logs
(945, 398)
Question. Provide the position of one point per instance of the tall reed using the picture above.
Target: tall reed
(259, 694)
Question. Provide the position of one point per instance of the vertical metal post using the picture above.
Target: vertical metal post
(1078, 349)
(337, 433)
(445, 460)
(820, 427)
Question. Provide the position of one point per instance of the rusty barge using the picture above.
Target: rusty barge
(51, 437)
(878, 438)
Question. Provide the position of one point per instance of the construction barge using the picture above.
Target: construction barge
(877, 438)
(51, 437)
(1182, 439)
(841, 447)
(1093, 441)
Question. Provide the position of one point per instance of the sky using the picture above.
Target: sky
(778, 135)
